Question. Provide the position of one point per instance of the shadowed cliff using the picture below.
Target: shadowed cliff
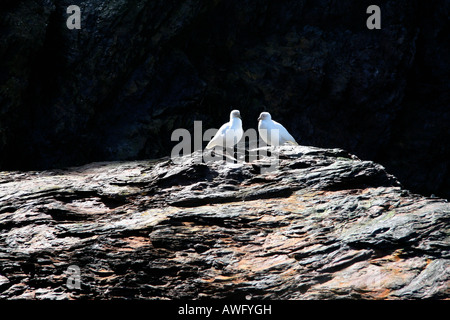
(137, 70)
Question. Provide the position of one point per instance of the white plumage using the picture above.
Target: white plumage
(272, 132)
(229, 133)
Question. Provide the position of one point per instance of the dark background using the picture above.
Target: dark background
(137, 70)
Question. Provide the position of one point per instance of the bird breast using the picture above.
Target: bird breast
(263, 132)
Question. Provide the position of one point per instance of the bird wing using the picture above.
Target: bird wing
(223, 129)
(285, 136)
(219, 136)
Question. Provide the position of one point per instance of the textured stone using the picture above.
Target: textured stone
(333, 227)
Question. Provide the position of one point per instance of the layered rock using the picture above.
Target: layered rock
(323, 225)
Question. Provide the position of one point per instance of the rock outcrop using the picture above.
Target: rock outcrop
(323, 225)
(140, 69)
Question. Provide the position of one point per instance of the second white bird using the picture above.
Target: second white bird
(272, 132)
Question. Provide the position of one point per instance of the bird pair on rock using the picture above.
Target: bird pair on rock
(230, 133)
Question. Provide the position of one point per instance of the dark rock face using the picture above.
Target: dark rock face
(140, 69)
(324, 225)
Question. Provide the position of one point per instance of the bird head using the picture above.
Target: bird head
(235, 114)
(265, 116)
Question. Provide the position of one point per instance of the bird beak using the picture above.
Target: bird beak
(259, 118)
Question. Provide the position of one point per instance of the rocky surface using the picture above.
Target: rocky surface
(140, 69)
(323, 225)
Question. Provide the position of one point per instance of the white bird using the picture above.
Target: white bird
(272, 132)
(229, 133)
